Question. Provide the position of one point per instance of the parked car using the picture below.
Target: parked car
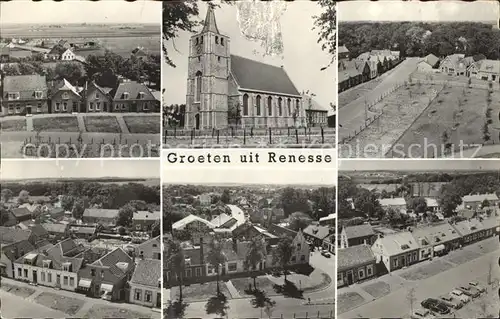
(325, 254)
(422, 314)
(476, 285)
(451, 302)
(469, 291)
(458, 294)
(435, 305)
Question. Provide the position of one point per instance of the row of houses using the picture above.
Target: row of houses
(365, 67)
(460, 65)
(32, 94)
(365, 254)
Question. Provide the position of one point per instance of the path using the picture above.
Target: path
(352, 116)
(81, 123)
(29, 124)
(123, 125)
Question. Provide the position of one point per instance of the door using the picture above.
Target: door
(28, 109)
(35, 278)
(133, 107)
(75, 107)
(58, 281)
(197, 121)
(158, 300)
(493, 77)
(349, 278)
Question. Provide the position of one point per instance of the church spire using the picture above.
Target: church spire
(210, 24)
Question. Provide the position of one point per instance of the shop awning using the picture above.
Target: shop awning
(107, 287)
(84, 283)
(439, 247)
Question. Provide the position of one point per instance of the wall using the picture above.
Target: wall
(356, 274)
(37, 107)
(142, 301)
(47, 271)
(91, 98)
(70, 102)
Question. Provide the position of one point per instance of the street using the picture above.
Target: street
(396, 303)
(17, 307)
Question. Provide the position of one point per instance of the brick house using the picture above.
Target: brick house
(10, 253)
(357, 235)
(316, 234)
(65, 98)
(145, 284)
(24, 94)
(354, 264)
(150, 249)
(131, 96)
(97, 99)
(105, 217)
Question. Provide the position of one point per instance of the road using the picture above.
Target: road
(396, 304)
(17, 307)
(352, 116)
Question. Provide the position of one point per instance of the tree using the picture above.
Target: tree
(326, 24)
(449, 199)
(23, 197)
(418, 204)
(225, 197)
(256, 253)
(78, 209)
(299, 221)
(367, 202)
(67, 202)
(7, 194)
(70, 71)
(216, 258)
(11, 69)
(175, 255)
(485, 203)
(125, 214)
(283, 253)
(218, 305)
(4, 215)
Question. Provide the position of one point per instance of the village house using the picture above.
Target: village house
(22, 214)
(474, 229)
(475, 201)
(106, 217)
(316, 234)
(10, 235)
(57, 266)
(131, 96)
(432, 204)
(9, 253)
(428, 63)
(68, 55)
(56, 52)
(144, 220)
(357, 235)
(194, 222)
(83, 232)
(329, 243)
(328, 220)
(354, 264)
(456, 64)
(107, 276)
(397, 203)
(150, 249)
(56, 231)
(24, 94)
(343, 53)
(195, 269)
(65, 98)
(436, 240)
(145, 284)
(488, 70)
(316, 114)
(97, 99)
(396, 250)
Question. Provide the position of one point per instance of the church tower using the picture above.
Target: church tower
(208, 72)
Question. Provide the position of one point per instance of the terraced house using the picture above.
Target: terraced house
(131, 96)
(396, 251)
(24, 94)
(65, 98)
(145, 284)
(355, 263)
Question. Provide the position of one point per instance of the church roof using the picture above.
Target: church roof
(258, 76)
(210, 24)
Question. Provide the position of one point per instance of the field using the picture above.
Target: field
(143, 124)
(105, 124)
(461, 113)
(56, 124)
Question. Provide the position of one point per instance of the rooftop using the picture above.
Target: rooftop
(354, 256)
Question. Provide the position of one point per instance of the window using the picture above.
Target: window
(210, 269)
(65, 106)
(168, 275)
(298, 246)
(369, 270)
(38, 94)
(218, 59)
(222, 41)
(245, 104)
(102, 274)
(43, 276)
(289, 105)
(49, 277)
(361, 273)
(91, 106)
(148, 295)
(270, 106)
(155, 245)
(92, 272)
(18, 108)
(197, 93)
(201, 39)
(231, 267)
(257, 104)
(197, 41)
(117, 106)
(137, 294)
(65, 280)
(198, 271)
(13, 96)
(188, 273)
(339, 276)
(217, 39)
(11, 108)
(19, 272)
(124, 106)
(98, 106)
(71, 281)
(125, 95)
(65, 96)
(302, 258)
(293, 259)
(280, 107)
(25, 273)
(146, 106)
(58, 106)
(395, 262)
(39, 107)
(141, 95)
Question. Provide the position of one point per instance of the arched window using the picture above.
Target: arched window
(201, 38)
(197, 41)
(297, 106)
(280, 107)
(257, 104)
(245, 104)
(222, 41)
(197, 93)
(270, 106)
(217, 39)
(289, 106)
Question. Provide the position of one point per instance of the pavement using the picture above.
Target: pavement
(352, 116)
(396, 303)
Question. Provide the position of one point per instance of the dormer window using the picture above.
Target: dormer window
(125, 95)
(13, 96)
(141, 95)
(66, 266)
(47, 263)
(38, 94)
(102, 274)
(65, 96)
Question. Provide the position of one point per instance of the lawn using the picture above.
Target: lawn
(56, 124)
(143, 124)
(22, 292)
(13, 125)
(458, 111)
(60, 302)
(426, 271)
(354, 93)
(101, 124)
(100, 311)
(264, 284)
(378, 289)
(348, 301)
(199, 292)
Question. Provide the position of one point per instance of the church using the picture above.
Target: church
(228, 90)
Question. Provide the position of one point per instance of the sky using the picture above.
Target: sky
(80, 11)
(419, 165)
(417, 11)
(302, 58)
(75, 168)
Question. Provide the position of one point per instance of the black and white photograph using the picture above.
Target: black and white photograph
(80, 79)
(249, 74)
(418, 239)
(419, 79)
(260, 244)
(80, 239)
